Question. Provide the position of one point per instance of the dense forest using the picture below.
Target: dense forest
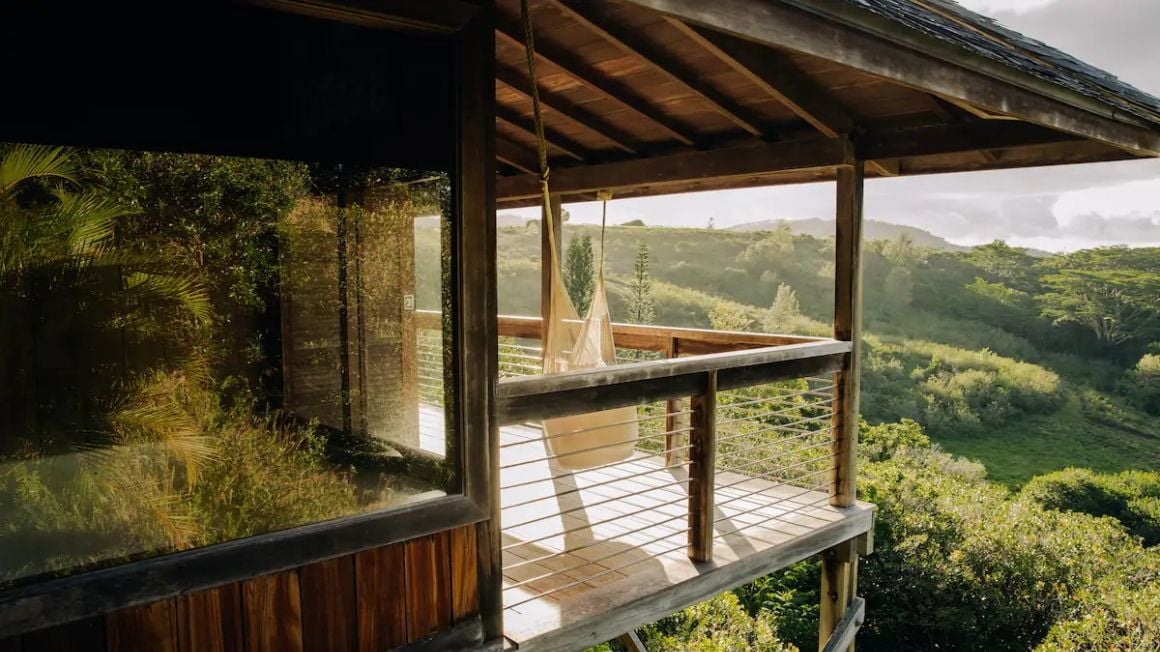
(1011, 435)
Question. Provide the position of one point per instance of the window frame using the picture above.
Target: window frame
(472, 370)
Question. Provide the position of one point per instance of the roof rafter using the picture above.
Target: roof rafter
(568, 109)
(516, 156)
(590, 77)
(772, 73)
(595, 18)
(769, 71)
(555, 140)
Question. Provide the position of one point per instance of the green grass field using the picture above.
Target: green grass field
(1072, 436)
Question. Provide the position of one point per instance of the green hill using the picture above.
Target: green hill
(872, 230)
(958, 339)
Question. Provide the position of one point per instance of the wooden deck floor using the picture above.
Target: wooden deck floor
(591, 554)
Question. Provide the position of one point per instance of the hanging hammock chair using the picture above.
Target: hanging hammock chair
(597, 438)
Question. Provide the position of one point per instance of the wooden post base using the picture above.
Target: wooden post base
(839, 586)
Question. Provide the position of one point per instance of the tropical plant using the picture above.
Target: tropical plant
(580, 272)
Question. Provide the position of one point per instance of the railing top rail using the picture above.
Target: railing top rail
(588, 390)
(646, 337)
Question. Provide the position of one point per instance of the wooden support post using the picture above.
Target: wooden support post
(672, 406)
(546, 260)
(840, 563)
(848, 328)
(839, 582)
(702, 469)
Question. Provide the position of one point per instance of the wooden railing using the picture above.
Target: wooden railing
(741, 417)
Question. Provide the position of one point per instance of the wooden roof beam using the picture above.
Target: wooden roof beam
(594, 17)
(570, 110)
(557, 141)
(675, 169)
(770, 72)
(954, 139)
(586, 74)
(669, 173)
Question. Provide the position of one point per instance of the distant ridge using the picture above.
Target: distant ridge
(872, 230)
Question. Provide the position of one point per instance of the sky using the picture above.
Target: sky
(1060, 208)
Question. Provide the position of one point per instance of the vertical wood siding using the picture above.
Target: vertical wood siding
(374, 600)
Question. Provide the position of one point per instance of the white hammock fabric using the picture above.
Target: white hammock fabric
(585, 440)
(596, 438)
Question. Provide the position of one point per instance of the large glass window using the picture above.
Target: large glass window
(235, 322)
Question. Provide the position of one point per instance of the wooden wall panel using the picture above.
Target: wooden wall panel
(381, 596)
(464, 574)
(428, 565)
(372, 601)
(210, 621)
(81, 636)
(149, 628)
(329, 619)
(272, 608)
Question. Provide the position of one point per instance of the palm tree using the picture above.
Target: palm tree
(78, 309)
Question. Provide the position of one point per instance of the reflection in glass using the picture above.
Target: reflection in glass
(195, 349)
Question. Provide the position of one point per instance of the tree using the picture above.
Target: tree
(580, 272)
(727, 316)
(1117, 305)
(785, 312)
(1112, 291)
(641, 305)
(898, 290)
(901, 250)
(1002, 263)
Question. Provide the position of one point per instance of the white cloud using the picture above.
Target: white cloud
(1132, 200)
(994, 6)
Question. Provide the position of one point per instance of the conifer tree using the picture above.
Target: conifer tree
(641, 307)
(580, 273)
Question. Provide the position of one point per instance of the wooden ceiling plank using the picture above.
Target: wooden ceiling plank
(516, 156)
(594, 17)
(593, 79)
(569, 110)
(555, 140)
(777, 77)
(439, 16)
(774, 75)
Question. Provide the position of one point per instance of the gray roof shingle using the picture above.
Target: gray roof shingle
(948, 21)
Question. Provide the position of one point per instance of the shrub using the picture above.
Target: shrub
(1115, 616)
(880, 442)
(960, 565)
(1141, 385)
(1131, 497)
(947, 388)
(720, 624)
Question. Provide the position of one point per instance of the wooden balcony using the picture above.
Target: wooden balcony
(729, 479)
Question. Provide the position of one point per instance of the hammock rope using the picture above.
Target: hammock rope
(571, 343)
